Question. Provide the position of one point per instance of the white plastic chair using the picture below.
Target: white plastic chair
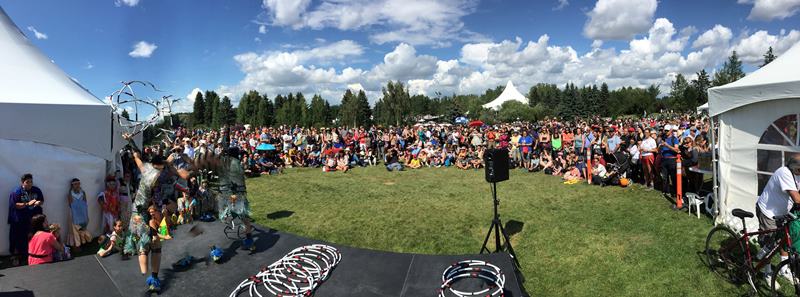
(695, 200)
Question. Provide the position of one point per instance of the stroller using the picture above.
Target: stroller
(617, 169)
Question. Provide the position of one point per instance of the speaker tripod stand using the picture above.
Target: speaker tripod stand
(497, 225)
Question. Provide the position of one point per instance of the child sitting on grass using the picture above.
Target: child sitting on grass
(115, 242)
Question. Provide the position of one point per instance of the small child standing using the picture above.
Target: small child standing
(115, 242)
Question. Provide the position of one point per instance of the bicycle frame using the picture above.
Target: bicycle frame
(786, 240)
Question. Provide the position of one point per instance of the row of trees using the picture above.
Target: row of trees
(398, 107)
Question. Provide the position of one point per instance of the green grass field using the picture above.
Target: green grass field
(575, 240)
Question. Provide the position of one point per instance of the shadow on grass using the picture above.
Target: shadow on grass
(280, 214)
(513, 227)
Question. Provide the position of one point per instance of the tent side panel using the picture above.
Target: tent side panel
(740, 131)
(52, 167)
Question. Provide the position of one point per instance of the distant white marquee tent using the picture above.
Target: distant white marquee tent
(509, 94)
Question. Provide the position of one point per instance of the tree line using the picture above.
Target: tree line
(398, 107)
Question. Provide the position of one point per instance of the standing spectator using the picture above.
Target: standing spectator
(44, 243)
(669, 151)
(78, 213)
(24, 202)
(109, 204)
(77, 204)
(526, 142)
(646, 151)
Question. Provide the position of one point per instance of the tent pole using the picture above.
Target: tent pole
(714, 180)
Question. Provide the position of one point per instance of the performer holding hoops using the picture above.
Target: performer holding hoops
(142, 240)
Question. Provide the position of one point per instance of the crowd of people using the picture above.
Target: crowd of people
(643, 150)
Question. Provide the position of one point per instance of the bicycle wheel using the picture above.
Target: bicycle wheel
(789, 286)
(725, 255)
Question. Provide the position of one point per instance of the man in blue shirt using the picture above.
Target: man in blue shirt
(23, 203)
(669, 150)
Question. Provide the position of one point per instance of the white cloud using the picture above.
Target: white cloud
(88, 66)
(767, 10)
(619, 19)
(286, 12)
(143, 49)
(653, 58)
(262, 29)
(403, 63)
(415, 22)
(293, 71)
(193, 94)
(129, 3)
(751, 49)
(39, 35)
(561, 4)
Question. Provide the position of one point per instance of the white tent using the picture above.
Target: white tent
(758, 130)
(509, 93)
(51, 127)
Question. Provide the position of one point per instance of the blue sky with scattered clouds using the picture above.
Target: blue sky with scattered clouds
(445, 46)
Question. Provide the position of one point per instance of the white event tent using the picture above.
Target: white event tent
(51, 127)
(510, 93)
(758, 131)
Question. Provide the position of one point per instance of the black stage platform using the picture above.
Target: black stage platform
(361, 272)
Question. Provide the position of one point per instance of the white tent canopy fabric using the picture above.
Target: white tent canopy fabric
(777, 80)
(758, 130)
(51, 127)
(510, 93)
(41, 103)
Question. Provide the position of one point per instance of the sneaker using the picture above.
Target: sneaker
(153, 284)
(247, 244)
(216, 254)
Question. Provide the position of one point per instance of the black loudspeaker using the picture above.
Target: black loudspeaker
(496, 165)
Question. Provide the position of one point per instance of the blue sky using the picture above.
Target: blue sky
(446, 46)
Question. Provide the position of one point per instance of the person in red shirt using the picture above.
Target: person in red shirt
(109, 203)
(44, 243)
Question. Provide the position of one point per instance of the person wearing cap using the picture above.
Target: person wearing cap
(669, 149)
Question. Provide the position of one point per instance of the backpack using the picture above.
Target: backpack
(794, 231)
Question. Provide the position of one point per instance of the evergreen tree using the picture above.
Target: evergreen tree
(227, 116)
(364, 111)
(317, 112)
(701, 84)
(731, 71)
(768, 57)
(348, 113)
(300, 110)
(396, 103)
(602, 100)
(198, 110)
(264, 112)
(125, 114)
(679, 85)
(248, 105)
(212, 109)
